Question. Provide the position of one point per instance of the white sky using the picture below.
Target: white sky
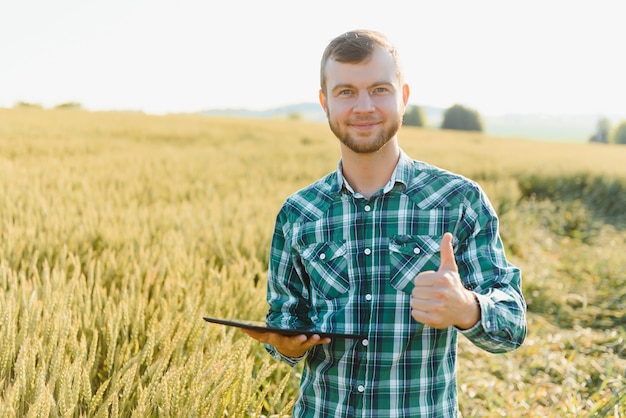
(537, 56)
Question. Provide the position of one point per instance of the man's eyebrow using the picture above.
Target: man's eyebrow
(351, 86)
(342, 86)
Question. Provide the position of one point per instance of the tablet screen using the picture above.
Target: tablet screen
(262, 327)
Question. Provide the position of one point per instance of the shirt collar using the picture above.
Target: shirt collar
(401, 175)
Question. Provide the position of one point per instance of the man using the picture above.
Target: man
(395, 249)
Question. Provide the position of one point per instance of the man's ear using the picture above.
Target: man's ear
(406, 91)
(322, 98)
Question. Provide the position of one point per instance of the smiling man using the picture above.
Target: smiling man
(402, 252)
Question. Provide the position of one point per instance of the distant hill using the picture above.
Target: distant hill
(571, 128)
(308, 111)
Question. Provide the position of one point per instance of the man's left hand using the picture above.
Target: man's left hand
(439, 299)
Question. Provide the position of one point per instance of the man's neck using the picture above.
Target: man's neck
(368, 173)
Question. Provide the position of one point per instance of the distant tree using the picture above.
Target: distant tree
(414, 116)
(69, 105)
(620, 134)
(603, 129)
(28, 105)
(462, 118)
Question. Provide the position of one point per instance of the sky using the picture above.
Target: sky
(157, 56)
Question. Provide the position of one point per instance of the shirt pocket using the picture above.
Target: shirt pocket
(327, 266)
(409, 255)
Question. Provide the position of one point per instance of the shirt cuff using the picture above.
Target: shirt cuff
(292, 361)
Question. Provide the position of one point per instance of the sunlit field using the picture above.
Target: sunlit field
(118, 232)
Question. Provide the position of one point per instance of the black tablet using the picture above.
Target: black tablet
(261, 327)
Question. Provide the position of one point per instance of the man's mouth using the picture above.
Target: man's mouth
(364, 124)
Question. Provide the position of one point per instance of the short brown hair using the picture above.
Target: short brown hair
(356, 46)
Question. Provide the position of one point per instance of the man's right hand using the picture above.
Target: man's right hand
(290, 346)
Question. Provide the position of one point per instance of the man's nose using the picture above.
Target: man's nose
(364, 103)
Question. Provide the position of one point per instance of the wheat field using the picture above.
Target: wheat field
(119, 231)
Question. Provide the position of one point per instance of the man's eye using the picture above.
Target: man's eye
(345, 92)
(379, 90)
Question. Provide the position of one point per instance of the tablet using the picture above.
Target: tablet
(262, 327)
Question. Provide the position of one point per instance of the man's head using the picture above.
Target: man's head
(362, 90)
(355, 47)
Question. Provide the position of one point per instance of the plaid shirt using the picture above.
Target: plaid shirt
(340, 262)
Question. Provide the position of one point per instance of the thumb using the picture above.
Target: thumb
(447, 254)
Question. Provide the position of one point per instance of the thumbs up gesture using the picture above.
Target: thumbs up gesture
(439, 299)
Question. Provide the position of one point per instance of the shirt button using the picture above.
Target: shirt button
(367, 251)
(416, 250)
(365, 343)
(322, 256)
(488, 324)
(368, 297)
(361, 388)
(367, 208)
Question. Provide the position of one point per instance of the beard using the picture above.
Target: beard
(364, 145)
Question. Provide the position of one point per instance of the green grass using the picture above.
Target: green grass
(119, 231)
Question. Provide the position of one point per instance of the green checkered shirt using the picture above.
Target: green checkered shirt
(340, 262)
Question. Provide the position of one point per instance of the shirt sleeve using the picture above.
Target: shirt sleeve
(287, 286)
(496, 282)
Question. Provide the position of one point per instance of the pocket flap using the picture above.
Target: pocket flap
(414, 244)
(324, 252)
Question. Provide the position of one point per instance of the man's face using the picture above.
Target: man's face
(364, 102)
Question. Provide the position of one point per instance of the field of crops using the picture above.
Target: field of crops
(118, 232)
